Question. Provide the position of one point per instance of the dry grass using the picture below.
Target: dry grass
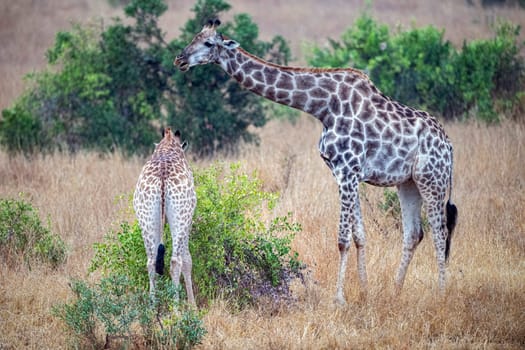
(483, 306)
(485, 300)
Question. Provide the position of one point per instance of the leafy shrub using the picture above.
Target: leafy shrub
(419, 68)
(122, 253)
(235, 254)
(115, 311)
(22, 235)
(110, 87)
(20, 130)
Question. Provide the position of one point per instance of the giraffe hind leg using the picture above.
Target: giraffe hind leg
(175, 270)
(410, 201)
(434, 200)
(180, 225)
(151, 262)
(186, 271)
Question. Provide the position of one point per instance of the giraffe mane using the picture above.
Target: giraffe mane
(304, 69)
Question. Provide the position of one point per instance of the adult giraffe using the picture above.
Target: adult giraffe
(367, 137)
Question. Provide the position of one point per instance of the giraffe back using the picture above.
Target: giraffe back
(165, 187)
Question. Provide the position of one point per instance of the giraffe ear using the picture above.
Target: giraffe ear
(184, 145)
(212, 23)
(230, 44)
(177, 133)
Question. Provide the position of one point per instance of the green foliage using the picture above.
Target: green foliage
(390, 204)
(119, 312)
(122, 253)
(23, 236)
(361, 43)
(419, 68)
(235, 254)
(112, 87)
(20, 131)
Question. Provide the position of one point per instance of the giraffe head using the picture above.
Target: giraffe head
(171, 139)
(205, 47)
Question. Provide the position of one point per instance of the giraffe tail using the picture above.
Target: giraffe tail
(159, 262)
(161, 250)
(452, 216)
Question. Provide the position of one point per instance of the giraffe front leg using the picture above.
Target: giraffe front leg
(358, 235)
(350, 225)
(343, 251)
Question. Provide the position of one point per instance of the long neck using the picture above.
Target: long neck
(319, 92)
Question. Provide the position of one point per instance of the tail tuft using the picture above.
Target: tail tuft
(159, 263)
(452, 216)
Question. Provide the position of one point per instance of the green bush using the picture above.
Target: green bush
(115, 311)
(23, 236)
(110, 87)
(235, 254)
(419, 68)
(20, 130)
(122, 253)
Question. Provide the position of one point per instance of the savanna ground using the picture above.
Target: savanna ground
(484, 304)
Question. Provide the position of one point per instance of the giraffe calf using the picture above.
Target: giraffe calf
(165, 190)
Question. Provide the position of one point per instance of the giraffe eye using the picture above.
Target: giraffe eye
(208, 44)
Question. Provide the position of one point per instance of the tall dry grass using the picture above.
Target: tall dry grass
(484, 301)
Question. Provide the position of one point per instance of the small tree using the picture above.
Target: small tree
(114, 87)
(217, 108)
(418, 67)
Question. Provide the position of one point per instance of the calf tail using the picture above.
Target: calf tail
(159, 262)
(161, 250)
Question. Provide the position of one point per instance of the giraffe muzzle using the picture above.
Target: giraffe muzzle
(182, 63)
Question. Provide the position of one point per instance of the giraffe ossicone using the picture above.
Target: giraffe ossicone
(165, 190)
(366, 137)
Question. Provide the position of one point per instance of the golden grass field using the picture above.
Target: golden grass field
(483, 306)
(484, 303)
